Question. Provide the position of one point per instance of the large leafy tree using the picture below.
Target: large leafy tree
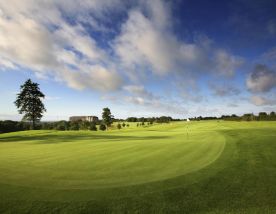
(29, 102)
(107, 117)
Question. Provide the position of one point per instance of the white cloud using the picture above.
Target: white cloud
(158, 105)
(55, 39)
(141, 43)
(140, 91)
(232, 105)
(6, 64)
(270, 55)
(40, 8)
(225, 63)
(262, 101)
(135, 100)
(147, 42)
(44, 42)
(25, 42)
(224, 90)
(95, 77)
(138, 95)
(261, 79)
(76, 38)
(192, 97)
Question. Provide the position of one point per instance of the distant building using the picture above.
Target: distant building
(84, 118)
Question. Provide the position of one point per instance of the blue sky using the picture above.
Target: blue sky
(140, 58)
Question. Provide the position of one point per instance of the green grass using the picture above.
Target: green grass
(196, 167)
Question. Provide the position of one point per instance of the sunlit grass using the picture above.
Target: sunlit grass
(213, 166)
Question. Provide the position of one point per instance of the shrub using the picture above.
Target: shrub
(10, 126)
(61, 125)
(84, 125)
(93, 127)
(102, 127)
(48, 125)
(74, 125)
(119, 126)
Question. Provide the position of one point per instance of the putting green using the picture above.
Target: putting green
(89, 160)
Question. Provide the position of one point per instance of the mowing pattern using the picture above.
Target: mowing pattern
(86, 160)
(213, 167)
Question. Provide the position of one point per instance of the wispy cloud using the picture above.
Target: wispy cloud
(75, 42)
(261, 79)
(224, 90)
(262, 101)
(50, 46)
(147, 43)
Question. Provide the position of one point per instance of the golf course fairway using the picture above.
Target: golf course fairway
(180, 167)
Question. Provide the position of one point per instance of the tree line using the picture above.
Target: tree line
(162, 119)
(261, 116)
(29, 103)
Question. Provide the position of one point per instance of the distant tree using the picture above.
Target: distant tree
(102, 127)
(119, 126)
(9, 126)
(48, 125)
(132, 119)
(248, 117)
(127, 125)
(263, 116)
(74, 125)
(137, 124)
(123, 124)
(164, 119)
(93, 126)
(272, 116)
(107, 117)
(61, 125)
(84, 125)
(29, 102)
(142, 119)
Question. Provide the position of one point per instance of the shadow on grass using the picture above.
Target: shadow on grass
(57, 138)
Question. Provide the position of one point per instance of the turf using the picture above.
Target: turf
(195, 167)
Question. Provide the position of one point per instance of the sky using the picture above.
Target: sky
(140, 58)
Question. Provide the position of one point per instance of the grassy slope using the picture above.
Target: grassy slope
(204, 167)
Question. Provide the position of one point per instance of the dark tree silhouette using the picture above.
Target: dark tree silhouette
(102, 127)
(29, 102)
(107, 117)
(119, 126)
